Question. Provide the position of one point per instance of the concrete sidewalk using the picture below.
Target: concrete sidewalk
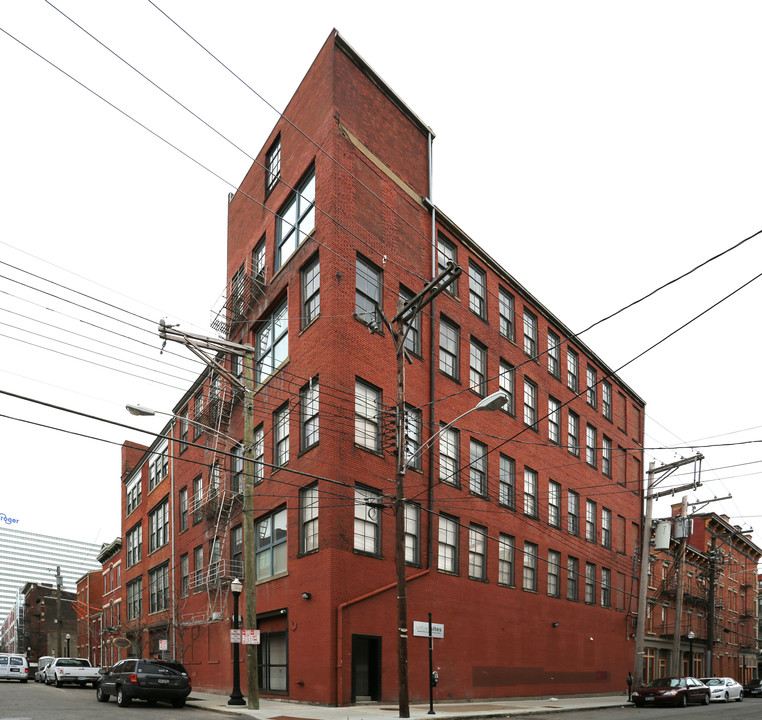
(283, 710)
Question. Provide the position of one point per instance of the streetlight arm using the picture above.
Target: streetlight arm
(141, 411)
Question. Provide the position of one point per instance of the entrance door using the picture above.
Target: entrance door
(366, 668)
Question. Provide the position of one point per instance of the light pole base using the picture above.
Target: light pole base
(236, 698)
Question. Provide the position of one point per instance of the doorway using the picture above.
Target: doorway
(366, 668)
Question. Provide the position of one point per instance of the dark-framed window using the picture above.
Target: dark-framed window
(309, 509)
(309, 405)
(478, 368)
(477, 290)
(413, 326)
(158, 588)
(478, 468)
(447, 252)
(310, 290)
(198, 566)
(447, 546)
(530, 492)
(236, 551)
(236, 469)
(572, 512)
(271, 548)
(449, 348)
(449, 456)
(367, 416)
(530, 566)
(605, 587)
(507, 490)
(572, 578)
(272, 166)
(281, 435)
(135, 599)
(530, 333)
(506, 307)
(505, 563)
(591, 521)
(184, 575)
(590, 573)
(296, 220)
(272, 342)
(477, 552)
(368, 288)
(367, 521)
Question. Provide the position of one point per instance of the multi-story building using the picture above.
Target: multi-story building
(520, 524)
(718, 625)
(45, 619)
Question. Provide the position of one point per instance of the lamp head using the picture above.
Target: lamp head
(236, 586)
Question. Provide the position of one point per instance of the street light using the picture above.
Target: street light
(691, 635)
(141, 411)
(236, 697)
(68, 638)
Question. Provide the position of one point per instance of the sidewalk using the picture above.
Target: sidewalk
(281, 710)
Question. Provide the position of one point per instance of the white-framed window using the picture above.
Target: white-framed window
(198, 413)
(606, 399)
(413, 430)
(447, 253)
(572, 426)
(296, 220)
(197, 498)
(605, 587)
(367, 521)
(308, 518)
(258, 452)
(478, 368)
(606, 456)
(183, 508)
(591, 445)
(236, 468)
(591, 521)
(478, 468)
(590, 573)
(134, 492)
(281, 436)
(134, 545)
(554, 420)
(413, 326)
(310, 291)
(530, 403)
(572, 370)
(554, 503)
(506, 383)
(530, 492)
(412, 533)
(236, 551)
(309, 405)
(272, 342)
(135, 599)
(184, 575)
(506, 307)
(272, 165)
(198, 566)
(572, 578)
(530, 333)
(158, 466)
(606, 527)
(592, 386)
(507, 490)
(271, 533)
(449, 348)
(554, 354)
(183, 430)
(368, 286)
(449, 456)
(530, 566)
(477, 552)
(554, 573)
(158, 588)
(572, 512)
(367, 416)
(477, 290)
(506, 544)
(447, 551)
(158, 526)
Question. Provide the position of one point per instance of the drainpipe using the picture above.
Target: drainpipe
(432, 354)
(175, 610)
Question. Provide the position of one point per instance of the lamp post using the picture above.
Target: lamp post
(691, 635)
(236, 697)
(68, 639)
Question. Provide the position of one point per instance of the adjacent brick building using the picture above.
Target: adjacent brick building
(521, 524)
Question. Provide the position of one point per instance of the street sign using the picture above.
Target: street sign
(421, 629)
(163, 645)
(235, 636)
(250, 637)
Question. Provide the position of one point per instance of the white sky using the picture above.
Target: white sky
(595, 149)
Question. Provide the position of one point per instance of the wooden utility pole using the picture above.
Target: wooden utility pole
(677, 670)
(59, 621)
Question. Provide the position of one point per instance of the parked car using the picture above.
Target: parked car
(71, 670)
(144, 679)
(671, 691)
(724, 689)
(753, 688)
(42, 663)
(13, 667)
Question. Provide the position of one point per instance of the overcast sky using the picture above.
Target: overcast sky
(595, 149)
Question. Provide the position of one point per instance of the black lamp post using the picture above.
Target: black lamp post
(68, 639)
(236, 697)
(691, 635)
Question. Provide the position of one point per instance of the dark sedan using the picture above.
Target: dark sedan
(753, 688)
(144, 679)
(677, 691)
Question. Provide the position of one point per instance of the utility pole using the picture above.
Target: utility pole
(59, 637)
(680, 575)
(711, 616)
(645, 554)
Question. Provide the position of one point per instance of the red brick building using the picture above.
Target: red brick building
(520, 524)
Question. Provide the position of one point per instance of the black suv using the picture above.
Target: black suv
(143, 679)
(753, 688)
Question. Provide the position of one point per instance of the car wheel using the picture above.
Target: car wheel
(59, 684)
(102, 696)
(178, 703)
(726, 698)
(740, 697)
(683, 701)
(122, 700)
(705, 701)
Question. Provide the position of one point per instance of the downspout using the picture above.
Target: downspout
(174, 525)
(340, 629)
(432, 355)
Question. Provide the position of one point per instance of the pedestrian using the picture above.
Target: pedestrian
(629, 687)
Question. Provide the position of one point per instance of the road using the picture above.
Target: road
(33, 701)
(749, 709)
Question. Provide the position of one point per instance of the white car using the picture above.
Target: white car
(724, 689)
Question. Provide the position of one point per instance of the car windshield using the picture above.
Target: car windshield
(713, 681)
(163, 668)
(666, 682)
(73, 662)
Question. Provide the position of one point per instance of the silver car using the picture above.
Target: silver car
(724, 689)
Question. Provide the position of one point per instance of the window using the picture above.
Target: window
(272, 166)
(449, 456)
(273, 662)
(505, 547)
(573, 432)
(530, 333)
(183, 503)
(554, 573)
(530, 566)
(309, 397)
(236, 551)
(281, 435)
(606, 457)
(310, 291)
(413, 437)
(572, 578)
(158, 525)
(478, 469)
(590, 583)
(412, 533)
(606, 399)
(554, 504)
(367, 521)
(447, 253)
(198, 414)
(214, 479)
(236, 468)
(530, 403)
(413, 326)
(592, 444)
(572, 370)
(592, 386)
(606, 527)
(367, 416)
(507, 492)
(158, 588)
(296, 220)
(158, 466)
(554, 420)
(591, 521)
(198, 566)
(605, 587)
(134, 545)
(270, 544)
(368, 294)
(197, 499)
(554, 354)
(184, 430)
(572, 510)
(135, 599)
(449, 348)
(447, 554)
(258, 262)
(133, 493)
(477, 290)
(506, 384)
(477, 552)
(478, 368)
(272, 343)
(308, 519)
(530, 492)
(506, 307)
(184, 575)
(258, 450)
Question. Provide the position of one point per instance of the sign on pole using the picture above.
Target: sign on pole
(235, 636)
(250, 637)
(421, 629)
